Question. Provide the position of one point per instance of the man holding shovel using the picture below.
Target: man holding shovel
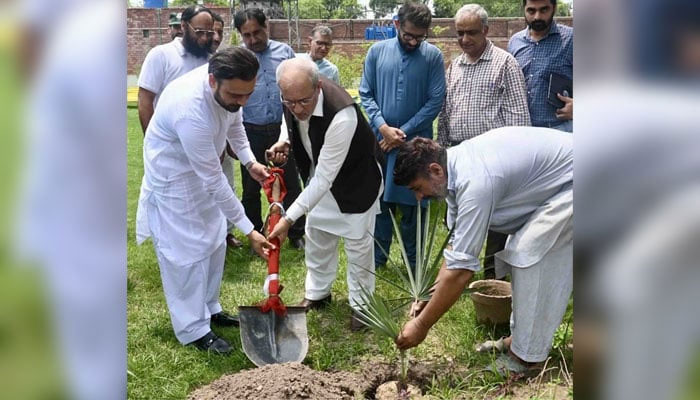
(185, 198)
(336, 149)
(513, 180)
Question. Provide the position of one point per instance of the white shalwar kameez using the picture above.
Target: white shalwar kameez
(186, 200)
(325, 223)
(519, 181)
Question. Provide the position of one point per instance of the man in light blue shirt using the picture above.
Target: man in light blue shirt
(262, 117)
(320, 43)
(544, 48)
(402, 90)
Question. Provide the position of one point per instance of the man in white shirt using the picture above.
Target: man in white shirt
(337, 155)
(168, 61)
(513, 180)
(185, 199)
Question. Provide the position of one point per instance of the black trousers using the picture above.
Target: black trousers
(495, 242)
(261, 138)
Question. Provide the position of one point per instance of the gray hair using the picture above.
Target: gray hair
(473, 9)
(304, 64)
(322, 29)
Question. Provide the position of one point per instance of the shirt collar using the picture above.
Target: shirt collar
(180, 48)
(318, 111)
(317, 62)
(450, 175)
(486, 55)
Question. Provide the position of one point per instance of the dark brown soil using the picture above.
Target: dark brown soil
(283, 381)
(297, 381)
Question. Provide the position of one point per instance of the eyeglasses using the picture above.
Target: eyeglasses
(291, 104)
(323, 44)
(408, 37)
(201, 32)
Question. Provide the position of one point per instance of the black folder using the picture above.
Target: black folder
(559, 84)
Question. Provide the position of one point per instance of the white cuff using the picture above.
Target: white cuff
(246, 156)
(458, 260)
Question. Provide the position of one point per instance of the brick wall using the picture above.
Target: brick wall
(348, 35)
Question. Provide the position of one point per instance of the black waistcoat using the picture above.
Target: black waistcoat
(358, 182)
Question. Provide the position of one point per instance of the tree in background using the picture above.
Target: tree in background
(207, 3)
(495, 8)
(311, 9)
(329, 9)
(383, 7)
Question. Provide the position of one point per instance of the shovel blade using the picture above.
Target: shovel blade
(268, 339)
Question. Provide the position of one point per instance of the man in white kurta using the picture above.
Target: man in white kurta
(326, 223)
(513, 180)
(185, 198)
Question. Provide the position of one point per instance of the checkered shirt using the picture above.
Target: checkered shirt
(539, 59)
(481, 96)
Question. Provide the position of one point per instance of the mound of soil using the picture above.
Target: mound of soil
(297, 381)
(284, 381)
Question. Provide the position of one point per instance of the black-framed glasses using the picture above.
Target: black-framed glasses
(293, 103)
(409, 37)
(201, 32)
(323, 44)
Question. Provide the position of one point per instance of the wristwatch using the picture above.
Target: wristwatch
(286, 217)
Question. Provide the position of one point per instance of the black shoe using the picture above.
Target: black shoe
(356, 324)
(224, 319)
(297, 243)
(315, 304)
(232, 242)
(213, 343)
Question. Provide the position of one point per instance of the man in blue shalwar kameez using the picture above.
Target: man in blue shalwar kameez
(402, 90)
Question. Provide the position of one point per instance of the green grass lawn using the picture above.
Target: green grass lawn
(160, 368)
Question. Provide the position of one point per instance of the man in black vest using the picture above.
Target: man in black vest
(334, 147)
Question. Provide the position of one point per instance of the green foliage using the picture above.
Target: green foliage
(415, 282)
(438, 30)
(349, 68)
(445, 8)
(495, 8)
(329, 9)
(207, 3)
(312, 9)
(383, 7)
(234, 39)
(378, 314)
(563, 9)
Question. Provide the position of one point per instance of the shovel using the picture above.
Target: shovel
(270, 331)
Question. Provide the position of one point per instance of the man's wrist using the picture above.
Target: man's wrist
(288, 219)
(249, 165)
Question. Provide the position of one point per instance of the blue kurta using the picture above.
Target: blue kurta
(265, 106)
(404, 90)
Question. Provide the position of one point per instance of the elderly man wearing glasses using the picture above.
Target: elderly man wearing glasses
(168, 61)
(320, 43)
(337, 155)
(402, 89)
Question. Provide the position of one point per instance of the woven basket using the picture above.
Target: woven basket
(492, 301)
